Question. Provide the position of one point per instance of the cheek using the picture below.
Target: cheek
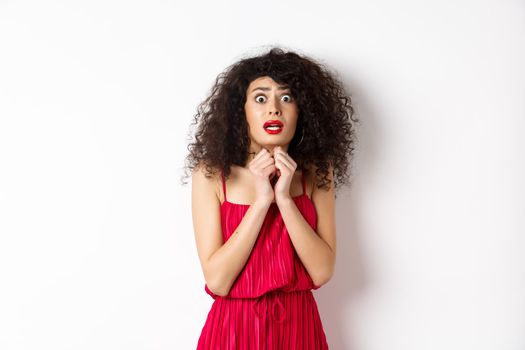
(251, 122)
(293, 125)
(248, 115)
(251, 112)
(253, 117)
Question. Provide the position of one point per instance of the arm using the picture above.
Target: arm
(221, 262)
(317, 250)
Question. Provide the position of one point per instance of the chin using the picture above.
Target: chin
(275, 144)
(276, 141)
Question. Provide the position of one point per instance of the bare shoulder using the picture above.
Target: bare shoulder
(204, 183)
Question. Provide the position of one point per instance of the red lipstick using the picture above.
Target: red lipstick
(273, 126)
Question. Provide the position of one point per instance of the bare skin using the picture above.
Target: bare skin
(222, 261)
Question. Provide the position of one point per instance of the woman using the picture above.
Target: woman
(275, 131)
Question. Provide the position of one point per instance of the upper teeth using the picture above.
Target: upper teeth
(273, 126)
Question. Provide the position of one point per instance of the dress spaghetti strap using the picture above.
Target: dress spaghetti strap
(223, 184)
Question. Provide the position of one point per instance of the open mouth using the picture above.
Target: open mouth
(273, 126)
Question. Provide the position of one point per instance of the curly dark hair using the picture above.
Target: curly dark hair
(326, 117)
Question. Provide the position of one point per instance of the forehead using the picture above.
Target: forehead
(266, 83)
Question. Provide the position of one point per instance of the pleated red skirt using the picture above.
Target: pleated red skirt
(279, 320)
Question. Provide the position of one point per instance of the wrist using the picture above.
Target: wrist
(284, 200)
(261, 203)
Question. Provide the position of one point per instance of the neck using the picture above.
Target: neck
(256, 148)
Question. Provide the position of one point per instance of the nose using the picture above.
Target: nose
(274, 109)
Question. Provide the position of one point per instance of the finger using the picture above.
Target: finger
(262, 163)
(288, 157)
(285, 156)
(259, 154)
(266, 162)
(279, 166)
(269, 170)
(262, 158)
(281, 158)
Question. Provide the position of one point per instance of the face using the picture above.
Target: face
(268, 101)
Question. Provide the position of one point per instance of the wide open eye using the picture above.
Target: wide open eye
(257, 98)
(289, 97)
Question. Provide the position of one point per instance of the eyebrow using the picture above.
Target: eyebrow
(264, 88)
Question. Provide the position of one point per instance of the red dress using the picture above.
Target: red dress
(270, 305)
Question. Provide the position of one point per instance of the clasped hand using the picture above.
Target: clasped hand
(265, 167)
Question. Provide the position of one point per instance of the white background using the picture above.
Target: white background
(96, 239)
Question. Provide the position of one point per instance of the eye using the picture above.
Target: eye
(257, 98)
(289, 97)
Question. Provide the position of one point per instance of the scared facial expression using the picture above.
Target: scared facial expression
(271, 113)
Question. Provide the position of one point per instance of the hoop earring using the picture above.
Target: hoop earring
(302, 136)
